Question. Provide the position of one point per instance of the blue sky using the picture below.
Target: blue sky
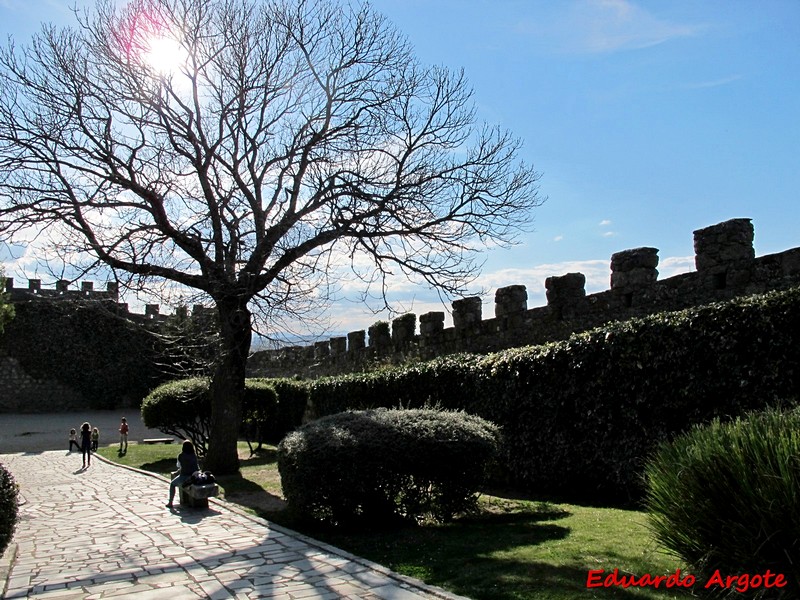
(647, 120)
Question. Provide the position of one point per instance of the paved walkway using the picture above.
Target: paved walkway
(104, 532)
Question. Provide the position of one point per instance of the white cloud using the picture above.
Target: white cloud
(605, 223)
(675, 265)
(606, 26)
(714, 82)
(558, 238)
(613, 25)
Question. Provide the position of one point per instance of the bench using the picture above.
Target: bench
(194, 495)
(158, 441)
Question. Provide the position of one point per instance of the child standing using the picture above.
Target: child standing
(73, 440)
(123, 434)
(95, 439)
(86, 444)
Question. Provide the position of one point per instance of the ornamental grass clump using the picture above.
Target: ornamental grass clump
(727, 497)
(383, 465)
(9, 499)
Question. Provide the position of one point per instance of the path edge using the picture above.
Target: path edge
(6, 564)
(404, 579)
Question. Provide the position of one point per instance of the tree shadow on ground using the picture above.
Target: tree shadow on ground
(242, 491)
(476, 555)
(259, 456)
(165, 466)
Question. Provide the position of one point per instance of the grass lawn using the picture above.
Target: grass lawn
(511, 549)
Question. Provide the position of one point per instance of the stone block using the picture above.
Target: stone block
(467, 313)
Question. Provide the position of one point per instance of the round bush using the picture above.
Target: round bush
(183, 408)
(9, 496)
(381, 464)
(727, 496)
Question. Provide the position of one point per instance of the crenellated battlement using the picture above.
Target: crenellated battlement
(726, 267)
(86, 293)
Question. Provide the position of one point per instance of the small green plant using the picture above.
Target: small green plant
(9, 499)
(381, 464)
(725, 497)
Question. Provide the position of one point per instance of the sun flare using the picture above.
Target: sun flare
(165, 55)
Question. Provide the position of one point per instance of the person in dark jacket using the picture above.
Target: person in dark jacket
(187, 461)
(86, 444)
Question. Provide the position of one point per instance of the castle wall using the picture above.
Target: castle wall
(75, 349)
(19, 392)
(726, 268)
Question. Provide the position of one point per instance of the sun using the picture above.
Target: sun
(165, 55)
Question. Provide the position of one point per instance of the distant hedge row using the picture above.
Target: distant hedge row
(580, 416)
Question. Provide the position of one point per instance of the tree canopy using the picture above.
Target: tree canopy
(250, 151)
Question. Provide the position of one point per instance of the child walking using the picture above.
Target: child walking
(86, 444)
(95, 439)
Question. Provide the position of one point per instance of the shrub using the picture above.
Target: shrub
(9, 497)
(181, 408)
(579, 417)
(383, 464)
(259, 409)
(725, 497)
(292, 401)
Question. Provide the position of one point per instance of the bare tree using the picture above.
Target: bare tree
(285, 137)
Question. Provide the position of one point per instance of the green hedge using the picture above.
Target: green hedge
(384, 464)
(292, 402)
(580, 416)
(725, 496)
(182, 408)
(9, 497)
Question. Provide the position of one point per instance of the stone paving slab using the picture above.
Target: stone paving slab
(104, 532)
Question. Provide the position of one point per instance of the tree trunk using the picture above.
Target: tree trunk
(227, 386)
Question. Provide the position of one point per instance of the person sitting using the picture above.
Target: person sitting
(187, 462)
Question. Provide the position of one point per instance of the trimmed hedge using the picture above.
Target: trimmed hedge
(259, 409)
(384, 464)
(725, 496)
(292, 402)
(182, 408)
(580, 416)
(9, 505)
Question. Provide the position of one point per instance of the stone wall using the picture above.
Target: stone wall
(19, 392)
(726, 267)
(71, 349)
